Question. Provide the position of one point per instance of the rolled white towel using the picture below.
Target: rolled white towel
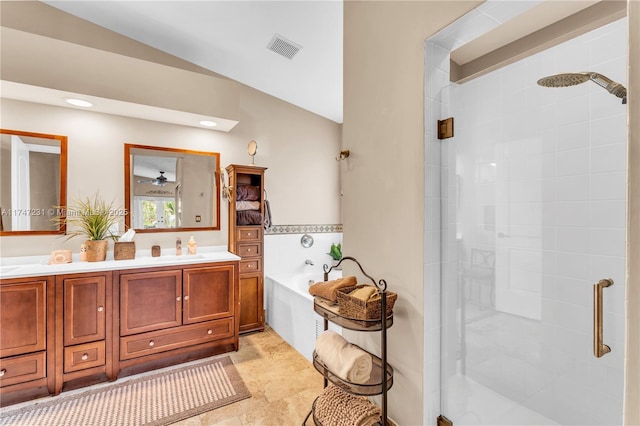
(342, 358)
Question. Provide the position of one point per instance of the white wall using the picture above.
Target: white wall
(287, 137)
(384, 179)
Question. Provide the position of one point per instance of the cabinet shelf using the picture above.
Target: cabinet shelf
(332, 314)
(372, 387)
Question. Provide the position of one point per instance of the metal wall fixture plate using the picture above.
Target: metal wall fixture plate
(306, 241)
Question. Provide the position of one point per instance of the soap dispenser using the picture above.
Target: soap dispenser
(178, 247)
(192, 246)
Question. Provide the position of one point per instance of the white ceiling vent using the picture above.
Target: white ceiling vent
(283, 47)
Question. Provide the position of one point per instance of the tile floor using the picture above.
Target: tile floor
(282, 382)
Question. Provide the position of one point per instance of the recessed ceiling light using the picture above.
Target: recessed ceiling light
(208, 123)
(79, 102)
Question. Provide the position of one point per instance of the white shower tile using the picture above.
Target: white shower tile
(605, 131)
(574, 291)
(571, 213)
(573, 136)
(608, 214)
(607, 241)
(608, 186)
(571, 188)
(572, 56)
(571, 265)
(575, 162)
(572, 239)
(571, 108)
(607, 45)
(609, 158)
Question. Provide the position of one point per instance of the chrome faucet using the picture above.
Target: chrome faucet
(308, 262)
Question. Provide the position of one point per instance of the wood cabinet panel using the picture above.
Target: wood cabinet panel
(165, 340)
(150, 301)
(23, 315)
(80, 357)
(21, 369)
(251, 266)
(249, 249)
(84, 309)
(208, 293)
(249, 233)
(251, 310)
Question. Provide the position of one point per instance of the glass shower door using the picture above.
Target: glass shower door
(534, 202)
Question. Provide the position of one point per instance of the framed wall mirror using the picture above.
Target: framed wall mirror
(169, 189)
(33, 183)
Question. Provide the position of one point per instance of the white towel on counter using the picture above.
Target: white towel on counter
(342, 358)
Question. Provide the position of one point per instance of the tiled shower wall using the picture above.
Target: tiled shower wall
(284, 253)
(567, 146)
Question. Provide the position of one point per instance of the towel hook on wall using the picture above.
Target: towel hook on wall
(344, 154)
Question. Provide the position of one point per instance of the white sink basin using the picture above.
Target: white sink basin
(183, 258)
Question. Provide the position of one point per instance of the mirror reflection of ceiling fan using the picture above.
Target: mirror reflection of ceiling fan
(159, 181)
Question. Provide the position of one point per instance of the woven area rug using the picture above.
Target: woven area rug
(159, 399)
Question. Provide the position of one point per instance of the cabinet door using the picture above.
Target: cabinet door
(23, 311)
(84, 309)
(251, 303)
(208, 293)
(150, 301)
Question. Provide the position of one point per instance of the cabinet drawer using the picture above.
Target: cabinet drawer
(248, 233)
(84, 356)
(21, 369)
(250, 265)
(249, 249)
(166, 340)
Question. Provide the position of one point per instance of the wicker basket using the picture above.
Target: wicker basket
(124, 250)
(357, 309)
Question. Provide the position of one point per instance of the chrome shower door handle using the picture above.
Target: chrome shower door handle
(599, 348)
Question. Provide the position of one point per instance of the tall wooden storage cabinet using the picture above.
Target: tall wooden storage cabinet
(246, 239)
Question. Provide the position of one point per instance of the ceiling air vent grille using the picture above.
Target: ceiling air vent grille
(283, 47)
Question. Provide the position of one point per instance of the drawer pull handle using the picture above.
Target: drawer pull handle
(85, 357)
(100, 308)
(3, 372)
(249, 250)
(209, 331)
(178, 298)
(152, 343)
(248, 266)
(186, 297)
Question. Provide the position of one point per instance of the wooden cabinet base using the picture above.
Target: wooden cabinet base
(22, 392)
(178, 356)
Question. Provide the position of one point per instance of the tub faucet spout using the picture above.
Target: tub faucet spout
(308, 262)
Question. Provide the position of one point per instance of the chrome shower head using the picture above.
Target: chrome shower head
(572, 79)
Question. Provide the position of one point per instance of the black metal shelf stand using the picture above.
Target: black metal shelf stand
(386, 321)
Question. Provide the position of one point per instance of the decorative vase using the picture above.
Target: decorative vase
(96, 250)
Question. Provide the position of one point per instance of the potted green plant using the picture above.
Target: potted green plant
(94, 219)
(336, 253)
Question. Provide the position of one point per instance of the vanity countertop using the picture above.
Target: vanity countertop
(29, 266)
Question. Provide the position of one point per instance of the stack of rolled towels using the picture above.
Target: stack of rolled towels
(335, 407)
(327, 290)
(342, 358)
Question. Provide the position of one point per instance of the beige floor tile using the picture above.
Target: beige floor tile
(283, 385)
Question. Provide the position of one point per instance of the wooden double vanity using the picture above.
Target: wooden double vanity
(68, 326)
